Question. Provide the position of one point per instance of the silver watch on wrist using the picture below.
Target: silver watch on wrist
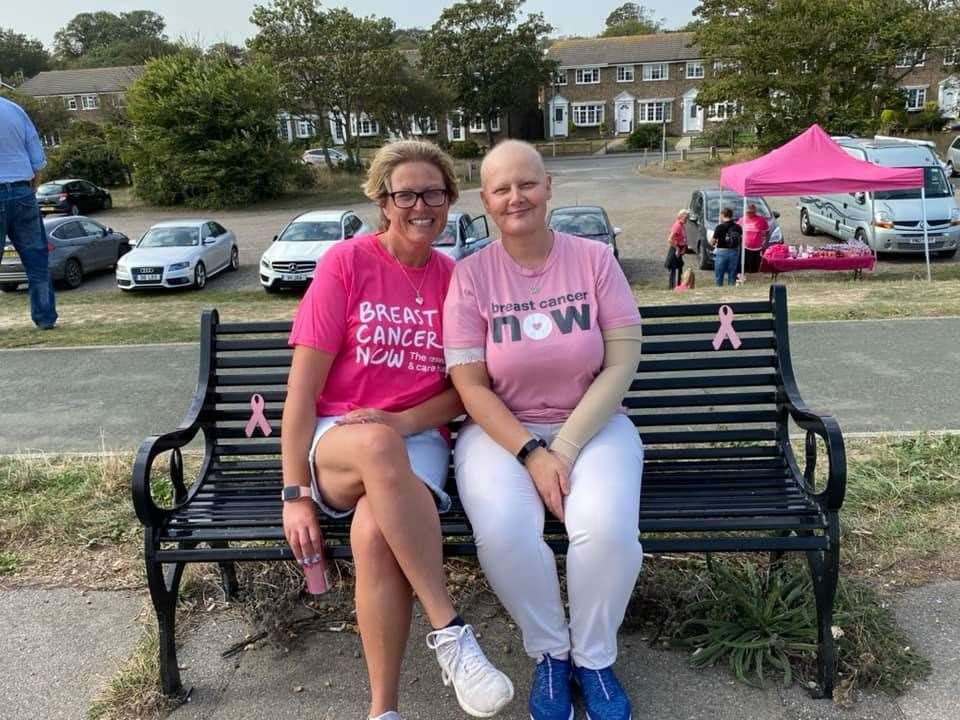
(294, 492)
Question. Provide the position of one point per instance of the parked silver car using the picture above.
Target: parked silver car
(952, 164)
(463, 235)
(587, 221)
(78, 246)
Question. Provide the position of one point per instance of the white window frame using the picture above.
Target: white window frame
(582, 74)
(477, 125)
(430, 129)
(692, 66)
(920, 95)
(911, 58)
(654, 111)
(495, 124)
(456, 132)
(625, 73)
(951, 57)
(70, 102)
(585, 114)
(718, 112)
(662, 72)
(304, 128)
(561, 77)
(364, 126)
(90, 102)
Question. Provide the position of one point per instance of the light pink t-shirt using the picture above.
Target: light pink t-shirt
(360, 307)
(753, 231)
(541, 330)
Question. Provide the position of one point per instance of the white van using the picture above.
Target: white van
(889, 221)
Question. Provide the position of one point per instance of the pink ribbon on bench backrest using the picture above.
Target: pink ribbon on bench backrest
(257, 418)
(726, 331)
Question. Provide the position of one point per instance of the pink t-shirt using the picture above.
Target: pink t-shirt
(388, 349)
(753, 231)
(678, 235)
(541, 330)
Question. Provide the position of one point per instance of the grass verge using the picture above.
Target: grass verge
(697, 165)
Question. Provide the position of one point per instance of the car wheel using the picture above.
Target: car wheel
(74, 209)
(72, 274)
(704, 255)
(861, 236)
(107, 202)
(805, 227)
(9, 287)
(199, 277)
(234, 259)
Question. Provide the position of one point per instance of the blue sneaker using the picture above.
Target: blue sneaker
(603, 695)
(550, 690)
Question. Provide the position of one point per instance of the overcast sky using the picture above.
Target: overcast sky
(210, 21)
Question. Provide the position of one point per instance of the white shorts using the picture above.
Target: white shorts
(429, 455)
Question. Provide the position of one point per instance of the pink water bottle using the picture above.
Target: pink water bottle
(316, 570)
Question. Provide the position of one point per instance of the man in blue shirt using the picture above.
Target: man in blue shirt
(21, 156)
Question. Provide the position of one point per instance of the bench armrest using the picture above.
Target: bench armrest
(827, 428)
(146, 509)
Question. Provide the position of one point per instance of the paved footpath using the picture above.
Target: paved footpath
(888, 375)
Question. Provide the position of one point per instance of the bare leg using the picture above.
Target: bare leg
(370, 461)
(384, 604)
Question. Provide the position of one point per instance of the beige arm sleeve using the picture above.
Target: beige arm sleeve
(621, 354)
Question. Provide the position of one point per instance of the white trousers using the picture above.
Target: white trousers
(604, 557)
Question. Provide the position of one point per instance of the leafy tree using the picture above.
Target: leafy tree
(632, 19)
(206, 132)
(93, 151)
(20, 55)
(103, 39)
(329, 62)
(842, 75)
(409, 38)
(489, 61)
(414, 98)
(49, 118)
(233, 52)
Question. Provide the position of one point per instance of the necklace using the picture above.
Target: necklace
(416, 288)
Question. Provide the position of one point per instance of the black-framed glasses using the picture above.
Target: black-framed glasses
(408, 198)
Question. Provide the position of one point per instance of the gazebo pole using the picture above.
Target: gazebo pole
(926, 235)
(743, 244)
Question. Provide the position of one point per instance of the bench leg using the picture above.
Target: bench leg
(228, 574)
(164, 584)
(825, 567)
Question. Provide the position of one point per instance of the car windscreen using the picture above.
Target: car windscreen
(448, 237)
(50, 189)
(312, 231)
(170, 237)
(582, 224)
(935, 185)
(735, 203)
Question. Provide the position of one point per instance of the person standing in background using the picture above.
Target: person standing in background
(727, 237)
(676, 248)
(755, 229)
(21, 156)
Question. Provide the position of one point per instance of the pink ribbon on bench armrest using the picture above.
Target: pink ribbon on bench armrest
(257, 418)
(726, 331)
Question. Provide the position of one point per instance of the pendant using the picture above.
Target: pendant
(419, 300)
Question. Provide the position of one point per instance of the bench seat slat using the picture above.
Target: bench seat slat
(742, 451)
(712, 309)
(658, 347)
(719, 362)
(246, 345)
(727, 417)
(705, 327)
(254, 361)
(639, 402)
(250, 379)
(255, 328)
(697, 382)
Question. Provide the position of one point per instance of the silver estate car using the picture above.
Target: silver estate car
(78, 246)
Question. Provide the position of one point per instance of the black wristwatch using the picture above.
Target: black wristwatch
(294, 492)
(531, 445)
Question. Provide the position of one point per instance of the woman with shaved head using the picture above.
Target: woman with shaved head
(541, 339)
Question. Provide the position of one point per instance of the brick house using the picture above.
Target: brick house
(91, 93)
(933, 77)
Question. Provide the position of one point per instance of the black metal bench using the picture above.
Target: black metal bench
(719, 472)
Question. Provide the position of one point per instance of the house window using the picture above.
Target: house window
(90, 102)
(654, 111)
(283, 129)
(455, 128)
(624, 73)
(304, 128)
(911, 58)
(70, 103)
(722, 111)
(560, 78)
(477, 125)
(338, 136)
(424, 126)
(694, 70)
(916, 97)
(588, 76)
(495, 124)
(950, 57)
(658, 71)
(367, 127)
(587, 114)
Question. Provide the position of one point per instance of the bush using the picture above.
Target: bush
(645, 136)
(89, 151)
(892, 121)
(465, 150)
(928, 119)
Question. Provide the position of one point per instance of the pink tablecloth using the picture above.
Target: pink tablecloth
(789, 264)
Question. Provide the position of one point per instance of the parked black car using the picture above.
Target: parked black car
(73, 197)
(705, 206)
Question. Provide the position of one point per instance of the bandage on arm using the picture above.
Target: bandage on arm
(622, 348)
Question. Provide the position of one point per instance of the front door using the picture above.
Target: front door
(949, 95)
(624, 117)
(559, 120)
(692, 115)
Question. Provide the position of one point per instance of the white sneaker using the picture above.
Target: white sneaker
(388, 715)
(481, 689)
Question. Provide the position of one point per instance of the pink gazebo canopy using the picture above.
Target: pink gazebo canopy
(813, 163)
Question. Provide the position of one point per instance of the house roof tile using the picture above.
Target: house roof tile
(79, 82)
(661, 47)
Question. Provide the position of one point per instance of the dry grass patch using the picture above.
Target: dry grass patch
(697, 165)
